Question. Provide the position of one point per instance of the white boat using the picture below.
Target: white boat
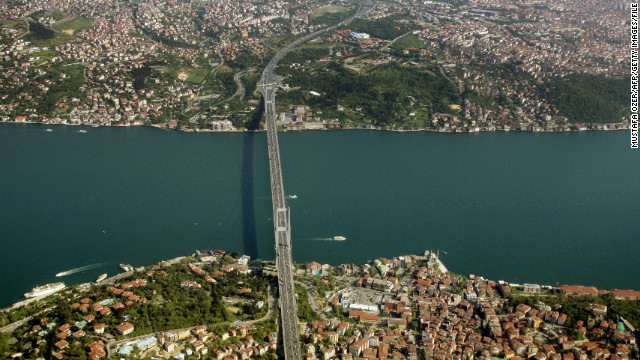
(82, 131)
(126, 267)
(292, 196)
(101, 277)
(339, 238)
(48, 130)
(45, 289)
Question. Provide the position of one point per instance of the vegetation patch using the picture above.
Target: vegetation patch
(307, 53)
(222, 83)
(330, 14)
(305, 312)
(73, 25)
(73, 79)
(409, 41)
(42, 36)
(482, 100)
(189, 74)
(197, 75)
(58, 15)
(168, 41)
(386, 95)
(247, 60)
(250, 82)
(38, 31)
(387, 28)
(140, 76)
(586, 98)
(328, 9)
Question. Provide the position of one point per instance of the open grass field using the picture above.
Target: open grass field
(73, 25)
(329, 9)
(55, 14)
(197, 75)
(13, 24)
(407, 42)
(58, 15)
(194, 75)
(330, 14)
(49, 43)
(44, 55)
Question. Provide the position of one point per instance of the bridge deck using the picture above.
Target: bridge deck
(281, 213)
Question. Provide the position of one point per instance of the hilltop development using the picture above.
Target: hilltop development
(448, 66)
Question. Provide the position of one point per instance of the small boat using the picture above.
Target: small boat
(339, 238)
(48, 130)
(101, 277)
(292, 196)
(82, 131)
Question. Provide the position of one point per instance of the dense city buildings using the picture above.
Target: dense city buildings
(192, 65)
(405, 307)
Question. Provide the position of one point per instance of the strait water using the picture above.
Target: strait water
(522, 207)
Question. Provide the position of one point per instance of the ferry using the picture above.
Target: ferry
(292, 196)
(126, 267)
(45, 289)
(339, 238)
(101, 277)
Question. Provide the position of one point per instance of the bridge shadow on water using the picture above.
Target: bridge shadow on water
(249, 238)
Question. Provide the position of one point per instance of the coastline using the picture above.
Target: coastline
(625, 126)
(436, 260)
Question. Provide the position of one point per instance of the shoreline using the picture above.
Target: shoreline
(112, 279)
(617, 127)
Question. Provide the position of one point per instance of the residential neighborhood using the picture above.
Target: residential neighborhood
(194, 66)
(405, 307)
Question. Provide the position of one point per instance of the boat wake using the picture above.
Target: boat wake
(321, 239)
(80, 269)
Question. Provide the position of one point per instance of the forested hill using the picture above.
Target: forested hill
(586, 98)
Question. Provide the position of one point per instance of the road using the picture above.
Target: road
(240, 92)
(18, 324)
(281, 211)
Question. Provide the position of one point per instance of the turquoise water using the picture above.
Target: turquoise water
(521, 207)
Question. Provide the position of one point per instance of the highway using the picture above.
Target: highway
(281, 211)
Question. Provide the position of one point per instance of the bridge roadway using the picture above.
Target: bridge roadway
(281, 213)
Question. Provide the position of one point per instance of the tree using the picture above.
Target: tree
(373, 271)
